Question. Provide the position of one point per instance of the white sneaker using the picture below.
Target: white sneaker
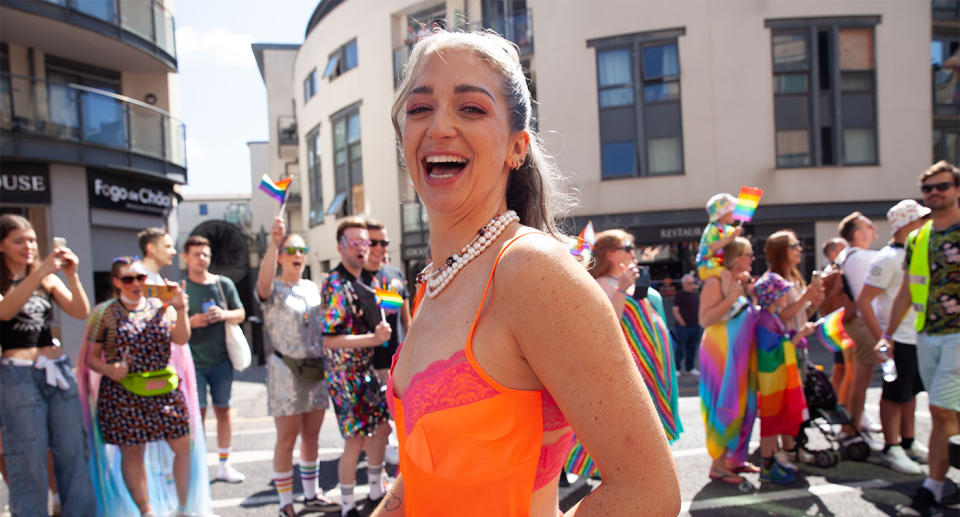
(392, 455)
(226, 472)
(917, 452)
(786, 459)
(868, 424)
(875, 446)
(695, 372)
(898, 460)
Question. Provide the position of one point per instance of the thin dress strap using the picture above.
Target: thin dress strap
(468, 349)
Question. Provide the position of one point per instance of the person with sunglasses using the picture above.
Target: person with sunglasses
(931, 283)
(291, 306)
(351, 333)
(135, 343)
(614, 266)
(39, 404)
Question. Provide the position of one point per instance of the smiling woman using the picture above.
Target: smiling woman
(537, 353)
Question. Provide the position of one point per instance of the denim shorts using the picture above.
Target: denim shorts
(938, 357)
(220, 380)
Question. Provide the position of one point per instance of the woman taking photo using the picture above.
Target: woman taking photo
(140, 398)
(291, 320)
(39, 403)
(642, 321)
(507, 316)
(728, 364)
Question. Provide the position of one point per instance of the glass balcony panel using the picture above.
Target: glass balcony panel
(102, 9)
(176, 138)
(6, 104)
(102, 120)
(146, 131)
(63, 112)
(164, 30)
(136, 16)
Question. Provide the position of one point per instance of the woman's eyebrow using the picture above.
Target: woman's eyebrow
(422, 90)
(469, 88)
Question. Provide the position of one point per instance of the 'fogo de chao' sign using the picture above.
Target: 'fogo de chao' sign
(114, 193)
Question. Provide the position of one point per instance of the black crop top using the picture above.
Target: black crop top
(31, 326)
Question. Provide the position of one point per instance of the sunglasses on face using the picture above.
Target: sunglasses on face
(628, 247)
(379, 242)
(292, 250)
(795, 246)
(127, 280)
(357, 243)
(927, 188)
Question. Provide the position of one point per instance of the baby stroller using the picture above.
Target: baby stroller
(825, 412)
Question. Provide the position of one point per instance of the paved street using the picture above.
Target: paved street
(851, 488)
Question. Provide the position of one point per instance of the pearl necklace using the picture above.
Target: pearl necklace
(438, 279)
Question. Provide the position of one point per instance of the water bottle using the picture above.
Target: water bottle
(889, 367)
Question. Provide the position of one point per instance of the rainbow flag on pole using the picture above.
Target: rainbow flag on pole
(831, 333)
(585, 241)
(276, 190)
(389, 300)
(747, 203)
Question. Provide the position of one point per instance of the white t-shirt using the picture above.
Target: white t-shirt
(886, 272)
(856, 265)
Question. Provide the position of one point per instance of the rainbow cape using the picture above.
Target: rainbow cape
(747, 203)
(652, 351)
(831, 333)
(585, 242)
(276, 190)
(782, 406)
(389, 300)
(113, 498)
(728, 385)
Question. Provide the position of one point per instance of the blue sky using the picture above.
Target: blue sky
(222, 99)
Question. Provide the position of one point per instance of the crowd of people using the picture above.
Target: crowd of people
(511, 353)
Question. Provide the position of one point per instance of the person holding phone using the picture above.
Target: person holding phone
(140, 397)
(39, 401)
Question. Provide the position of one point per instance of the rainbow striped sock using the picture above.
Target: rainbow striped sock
(224, 454)
(284, 484)
(309, 473)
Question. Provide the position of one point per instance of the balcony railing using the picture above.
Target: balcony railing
(287, 130)
(147, 19)
(72, 112)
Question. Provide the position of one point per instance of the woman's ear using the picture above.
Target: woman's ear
(518, 149)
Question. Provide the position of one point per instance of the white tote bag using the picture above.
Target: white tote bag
(237, 348)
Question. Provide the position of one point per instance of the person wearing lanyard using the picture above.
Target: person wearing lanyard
(39, 402)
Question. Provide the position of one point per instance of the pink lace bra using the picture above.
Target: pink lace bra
(453, 382)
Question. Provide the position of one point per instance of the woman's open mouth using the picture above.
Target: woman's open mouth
(443, 166)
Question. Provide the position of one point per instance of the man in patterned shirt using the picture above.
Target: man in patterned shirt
(358, 398)
(932, 284)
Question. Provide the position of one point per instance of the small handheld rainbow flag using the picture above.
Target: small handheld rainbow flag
(831, 333)
(585, 241)
(276, 190)
(389, 300)
(747, 203)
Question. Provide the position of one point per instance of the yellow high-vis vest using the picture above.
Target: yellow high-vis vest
(919, 271)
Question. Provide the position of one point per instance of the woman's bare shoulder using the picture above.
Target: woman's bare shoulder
(538, 263)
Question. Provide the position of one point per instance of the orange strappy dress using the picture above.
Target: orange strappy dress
(469, 445)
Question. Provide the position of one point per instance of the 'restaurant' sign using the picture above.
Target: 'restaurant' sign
(24, 183)
(114, 192)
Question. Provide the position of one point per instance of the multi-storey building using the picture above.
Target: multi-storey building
(651, 107)
(90, 151)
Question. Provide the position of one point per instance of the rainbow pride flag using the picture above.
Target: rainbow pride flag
(276, 190)
(649, 342)
(580, 463)
(782, 406)
(389, 300)
(747, 203)
(585, 242)
(831, 333)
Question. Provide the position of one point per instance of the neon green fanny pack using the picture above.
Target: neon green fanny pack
(151, 384)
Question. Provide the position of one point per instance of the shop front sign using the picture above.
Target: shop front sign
(113, 192)
(27, 183)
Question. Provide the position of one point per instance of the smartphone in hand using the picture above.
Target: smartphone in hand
(59, 242)
(164, 292)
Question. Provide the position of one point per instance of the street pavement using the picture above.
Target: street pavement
(849, 489)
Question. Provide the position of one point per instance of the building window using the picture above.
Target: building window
(203, 209)
(342, 59)
(511, 19)
(313, 174)
(946, 9)
(638, 92)
(824, 89)
(347, 163)
(310, 85)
